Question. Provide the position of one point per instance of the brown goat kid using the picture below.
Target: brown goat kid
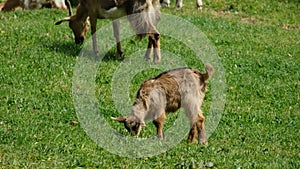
(184, 87)
(146, 15)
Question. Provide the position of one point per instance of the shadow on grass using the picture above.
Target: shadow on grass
(111, 55)
(69, 48)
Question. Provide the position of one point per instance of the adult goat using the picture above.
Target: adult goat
(142, 14)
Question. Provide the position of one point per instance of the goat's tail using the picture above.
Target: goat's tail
(143, 16)
(204, 77)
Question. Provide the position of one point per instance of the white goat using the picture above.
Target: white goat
(10, 5)
(179, 4)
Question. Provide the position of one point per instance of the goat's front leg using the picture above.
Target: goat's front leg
(193, 132)
(93, 21)
(116, 27)
(159, 124)
(156, 48)
(202, 138)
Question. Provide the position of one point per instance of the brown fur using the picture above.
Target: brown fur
(146, 15)
(168, 92)
(10, 5)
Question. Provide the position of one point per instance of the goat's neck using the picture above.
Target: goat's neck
(82, 13)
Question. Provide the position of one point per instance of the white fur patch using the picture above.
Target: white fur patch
(112, 13)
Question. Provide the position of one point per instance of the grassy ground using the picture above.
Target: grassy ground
(258, 45)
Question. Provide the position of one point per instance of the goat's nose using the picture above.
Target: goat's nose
(79, 40)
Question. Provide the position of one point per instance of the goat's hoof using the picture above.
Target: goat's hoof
(191, 140)
(95, 52)
(147, 59)
(161, 137)
(165, 4)
(178, 7)
(156, 59)
(120, 56)
(202, 141)
(199, 7)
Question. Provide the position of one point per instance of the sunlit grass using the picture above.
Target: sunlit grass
(259, 127)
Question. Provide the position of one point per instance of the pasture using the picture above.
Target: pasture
(258, 43)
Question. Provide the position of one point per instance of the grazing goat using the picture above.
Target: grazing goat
(10, 5)
(179, 3)
(142, 14)
(183, 87)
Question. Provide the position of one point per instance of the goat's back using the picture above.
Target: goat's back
(172, 89)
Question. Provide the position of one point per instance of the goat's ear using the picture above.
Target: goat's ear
(119, 119)
(63, 20)
(209, 72)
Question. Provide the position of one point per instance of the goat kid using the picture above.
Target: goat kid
(183, 87)
(179, 4)
(142, 14)
(10, 5)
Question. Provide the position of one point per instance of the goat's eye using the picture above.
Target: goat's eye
(132, 124)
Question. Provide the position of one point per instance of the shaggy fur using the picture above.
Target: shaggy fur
(142, 14)
(168, 92)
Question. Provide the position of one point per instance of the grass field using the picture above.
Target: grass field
(258, 43)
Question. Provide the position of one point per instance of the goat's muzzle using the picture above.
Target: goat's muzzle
(79, 40)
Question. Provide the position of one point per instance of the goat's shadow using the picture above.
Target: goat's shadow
(66, 47)
(71, 49)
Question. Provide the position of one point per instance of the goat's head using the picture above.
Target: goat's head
(131, 123)
(78, 26)
(78, 23)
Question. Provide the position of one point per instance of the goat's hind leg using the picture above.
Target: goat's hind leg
(198, 129)
(179, 4)
(154, 43)
(165, 3)
(199, 4)
(149, 48)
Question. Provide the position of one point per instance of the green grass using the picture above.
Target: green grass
(260, 125)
